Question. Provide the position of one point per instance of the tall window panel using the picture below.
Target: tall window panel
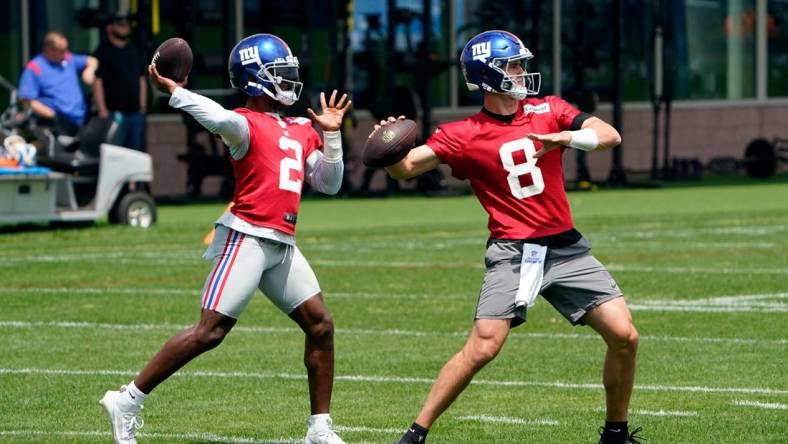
(587, 48)
(392, 68)
(777, 38)
(531, 20)
(10, 48)
(716, 55)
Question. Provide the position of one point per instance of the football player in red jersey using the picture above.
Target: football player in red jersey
(511, 154)
(254, 246)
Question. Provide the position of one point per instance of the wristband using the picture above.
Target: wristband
(332, 146)
(585, 139)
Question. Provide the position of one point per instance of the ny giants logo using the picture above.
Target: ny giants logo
(249, 55)
(481, 51)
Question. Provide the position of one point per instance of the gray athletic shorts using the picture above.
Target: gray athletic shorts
(574, 282)
(244, 263)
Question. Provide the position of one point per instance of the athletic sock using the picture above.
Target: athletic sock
(416, 434)
(319, 421)
(615, 432)
(134, 395)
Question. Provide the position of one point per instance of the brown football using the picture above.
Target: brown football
(390, 143)
(173, 59)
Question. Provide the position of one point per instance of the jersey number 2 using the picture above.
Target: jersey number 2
(516, 171)
(289, 164)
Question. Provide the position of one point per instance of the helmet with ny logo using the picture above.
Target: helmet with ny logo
(490, 62)
(263, 64)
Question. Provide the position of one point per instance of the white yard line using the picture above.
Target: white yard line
(763, 303)
(663, 413)
(157, 258)
(362, 429)
(396, 380)
(657, 412)
(443, 238)
(203, 437)
(615, 243)
(762, 405)
(685, 233)
(509, 420)
(9, 324)
(699, 270)
(611, 267)
(94, 290)
(183, 256)
(707, 309)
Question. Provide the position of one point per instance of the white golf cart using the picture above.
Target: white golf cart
(84, 178)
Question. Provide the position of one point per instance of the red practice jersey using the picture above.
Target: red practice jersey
(524, 197)
(269, 178)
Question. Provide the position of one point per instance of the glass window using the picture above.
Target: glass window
(314, 37)
(11, 49)
(716, 59)
(777, 37)
(54, 15)
(389, 60)
(587, 49)
(709, 47)
(206, 25)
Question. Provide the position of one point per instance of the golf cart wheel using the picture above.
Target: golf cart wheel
(135, 209)
(760, 159)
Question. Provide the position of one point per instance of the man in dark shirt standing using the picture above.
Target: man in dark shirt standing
(120, 88)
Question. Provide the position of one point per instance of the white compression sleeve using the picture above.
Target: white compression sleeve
(324, 170)
(231, 126)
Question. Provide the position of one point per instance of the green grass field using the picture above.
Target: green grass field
(705, 271)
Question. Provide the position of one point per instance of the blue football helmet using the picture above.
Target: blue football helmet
(263, 64)
(486, 59)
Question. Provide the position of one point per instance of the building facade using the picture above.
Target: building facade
(719, 66)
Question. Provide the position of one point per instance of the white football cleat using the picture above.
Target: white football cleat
(322, 435)
(124, 421)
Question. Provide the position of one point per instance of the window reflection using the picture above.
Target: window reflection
(777, 37)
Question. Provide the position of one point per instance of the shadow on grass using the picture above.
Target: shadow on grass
(640, 181)
(31, 227)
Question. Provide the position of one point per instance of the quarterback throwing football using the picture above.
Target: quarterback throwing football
(254, 246)
(511, 153)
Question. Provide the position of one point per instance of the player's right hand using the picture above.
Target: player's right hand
(385, 122)
(163, 84)
(550, 141)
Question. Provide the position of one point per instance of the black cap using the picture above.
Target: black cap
(118, 16)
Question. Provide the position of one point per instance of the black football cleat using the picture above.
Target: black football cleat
(408, 438)
(631, 439)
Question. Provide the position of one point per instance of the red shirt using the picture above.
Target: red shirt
(269, 178)
(524, 198)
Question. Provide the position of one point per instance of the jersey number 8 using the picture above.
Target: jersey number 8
(516, 171)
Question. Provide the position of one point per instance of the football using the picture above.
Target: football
(390, 143)
(173, 59)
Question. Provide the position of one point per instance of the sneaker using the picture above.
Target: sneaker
(634, 439)
(631, 439)
(408, 439)
(322, 435)
(124, 421)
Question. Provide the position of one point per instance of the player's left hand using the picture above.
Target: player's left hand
(333, 111)
(550, 141)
